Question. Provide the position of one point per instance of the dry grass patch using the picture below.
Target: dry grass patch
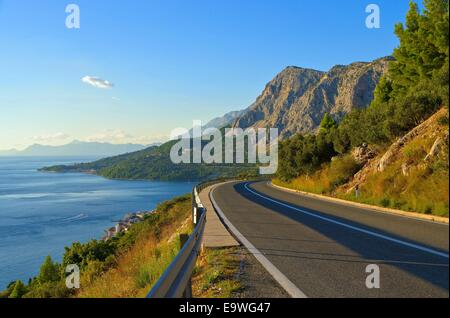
(216, 274)
(139, 267)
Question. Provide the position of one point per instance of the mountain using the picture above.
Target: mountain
(225, 120)
(296, 100)
(76, 148)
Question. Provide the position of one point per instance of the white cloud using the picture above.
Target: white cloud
(97, 82)
(117, 136)
(59, 136)
(146, 140)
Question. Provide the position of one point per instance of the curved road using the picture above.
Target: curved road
(323, 247)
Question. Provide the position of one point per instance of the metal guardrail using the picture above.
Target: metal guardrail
(175, 282)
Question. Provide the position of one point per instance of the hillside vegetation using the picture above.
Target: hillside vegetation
(412, 174)
(397, 133)
(154, 164)
(125, 266)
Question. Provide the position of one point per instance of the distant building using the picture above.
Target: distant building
(125, 224)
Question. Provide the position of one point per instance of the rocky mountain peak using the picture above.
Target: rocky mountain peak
(296, 100)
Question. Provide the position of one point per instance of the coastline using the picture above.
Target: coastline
(37, 218)
(124, 224)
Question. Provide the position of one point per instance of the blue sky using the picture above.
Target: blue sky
(170, 61)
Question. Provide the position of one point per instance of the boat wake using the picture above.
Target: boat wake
(78, 217)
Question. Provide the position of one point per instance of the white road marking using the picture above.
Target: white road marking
(288, 286)
(370, 209)
(355, 228)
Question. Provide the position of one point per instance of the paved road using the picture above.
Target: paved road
(323, 247)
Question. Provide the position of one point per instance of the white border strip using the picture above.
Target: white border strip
(391, 239)
(288, 286)
(438, 220)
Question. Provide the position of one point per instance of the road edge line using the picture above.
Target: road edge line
(281, 279)
(373, 208)
(355, 228)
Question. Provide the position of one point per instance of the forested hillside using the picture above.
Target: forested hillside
(154, 164)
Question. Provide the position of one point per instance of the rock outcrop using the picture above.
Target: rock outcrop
(430, 135)
(363, 154)
(437, 147)
(296, 100)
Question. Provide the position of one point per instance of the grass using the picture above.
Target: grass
(216, 274)
(139, 267)
(425, 187)
(325, 180)
(424, 190)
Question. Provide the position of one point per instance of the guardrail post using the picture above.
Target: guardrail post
(188, 292)
(194, 215)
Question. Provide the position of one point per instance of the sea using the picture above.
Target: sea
(42, 212)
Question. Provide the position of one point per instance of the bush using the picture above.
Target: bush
(304, 155)
(443, 120)
(19, 290)
(385, 202)
(49, 271)
(342, 169)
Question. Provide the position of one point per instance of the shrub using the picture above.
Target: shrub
(443, 120)
(19, 290)
(49, 271)
(342, 169)
(385, 202)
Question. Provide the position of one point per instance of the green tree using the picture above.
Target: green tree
(422, 56)
(304, 155)
(19, 290)
(49, 271)
(82, 254)
(327, 123)
(415, 86)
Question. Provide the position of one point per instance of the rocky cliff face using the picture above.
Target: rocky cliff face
(418, 150)
(296, 100)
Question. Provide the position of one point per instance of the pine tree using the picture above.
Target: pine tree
(423, 50)
(405, 72)
(49, 271)
(19, 290)
(327, 123)
(416, 84)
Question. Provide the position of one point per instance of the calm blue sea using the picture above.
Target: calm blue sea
(40, 213)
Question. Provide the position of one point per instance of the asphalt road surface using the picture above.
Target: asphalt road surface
(324, 248)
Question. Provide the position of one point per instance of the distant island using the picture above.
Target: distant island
(76, 148)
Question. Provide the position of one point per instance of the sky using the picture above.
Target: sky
(137, 69)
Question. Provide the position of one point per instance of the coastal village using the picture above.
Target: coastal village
(125, 224)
